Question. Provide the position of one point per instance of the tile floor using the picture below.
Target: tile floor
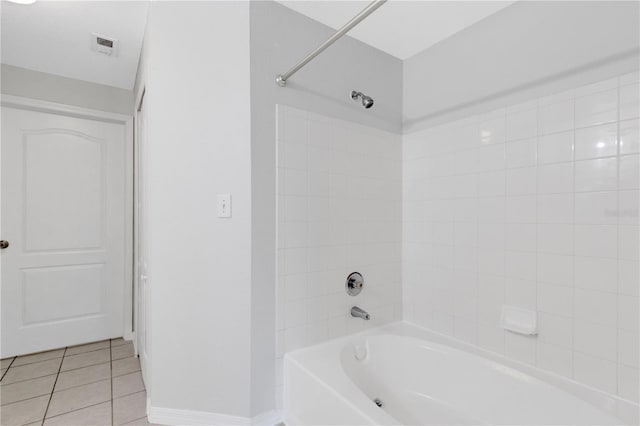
(98, 383)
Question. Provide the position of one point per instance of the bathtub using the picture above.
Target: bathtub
(403, 374)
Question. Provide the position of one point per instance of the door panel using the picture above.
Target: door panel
(63, 213)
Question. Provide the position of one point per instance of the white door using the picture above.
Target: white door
(63, 215)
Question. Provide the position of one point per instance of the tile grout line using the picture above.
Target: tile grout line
(78, 409)
(60, 371)
(54, 386)
(8, 367)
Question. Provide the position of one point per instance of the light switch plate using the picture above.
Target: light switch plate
(224, 205)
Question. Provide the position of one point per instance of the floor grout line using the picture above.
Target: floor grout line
(57, 374)
(74, 410)
(52, 389)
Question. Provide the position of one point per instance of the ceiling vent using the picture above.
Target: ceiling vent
(104, 45)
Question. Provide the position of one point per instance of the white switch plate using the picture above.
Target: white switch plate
(224, 205)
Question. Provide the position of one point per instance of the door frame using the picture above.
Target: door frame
(30, 104)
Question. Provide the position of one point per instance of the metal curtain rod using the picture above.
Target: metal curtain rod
(282, 78)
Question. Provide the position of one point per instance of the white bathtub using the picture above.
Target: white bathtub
(422, 378)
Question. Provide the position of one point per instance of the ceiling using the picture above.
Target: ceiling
(55, 37)
(400, 28)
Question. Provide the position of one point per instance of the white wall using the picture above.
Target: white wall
(196, 70)
(520, 48)
(279, 38)
(53, 88)
(339, 211)
(533, 205)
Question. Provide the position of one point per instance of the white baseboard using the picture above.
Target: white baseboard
(270, 418)
(170, 416)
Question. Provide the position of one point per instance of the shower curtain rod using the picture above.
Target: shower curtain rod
(281, 79)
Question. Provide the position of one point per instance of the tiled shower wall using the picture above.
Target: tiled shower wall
(339, 211)
(533, 205)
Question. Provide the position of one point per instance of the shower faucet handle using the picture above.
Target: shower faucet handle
(354, 283)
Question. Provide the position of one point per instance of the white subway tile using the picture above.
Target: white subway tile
(521, 348)
(628, 353)
(522, 124)
(629, 172)
(597, 141)
(492, 130)
(521, 236)
(491, 235)
(521, 181)
(555, 148)
(296, 128)
(521, 264)
(628, 205)
(596, 175)
(597, 87)
(595, 307)
(596, 208)
(555, 330)
(555, 117)
(629, 277)
(629, 136)
(522, 153)
(596, 240)
(629, 101)
(491, 184)
(597, 108)
(554, 358)
(555, 268)
(555, 178)
(595, 372)
(628, 383)
(628, 317)
(491, 262)
(595, 340)
(596, 273)
(521, 209)
(491, 157)
(555, 299)
(521, 293)
(628, 242)
(555, 208)
(491, 338)
(555, 238)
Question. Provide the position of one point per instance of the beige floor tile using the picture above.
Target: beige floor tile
(74, 350)
(129, 408)
(23, 412)
(4, 363)
(86, 359)
(96, 415)
(31, 371)
(122, 351)
(119, 342)
(79, 397)
(123, 366)
(26, 389)
(129, 383)
(83, 376)
(40, 356)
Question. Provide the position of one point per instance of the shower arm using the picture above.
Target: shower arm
(281, 79)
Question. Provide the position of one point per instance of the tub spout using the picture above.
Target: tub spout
(360, 313)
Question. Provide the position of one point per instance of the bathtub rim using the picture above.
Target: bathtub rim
(626, 410)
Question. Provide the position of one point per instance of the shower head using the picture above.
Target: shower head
(367, 101)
